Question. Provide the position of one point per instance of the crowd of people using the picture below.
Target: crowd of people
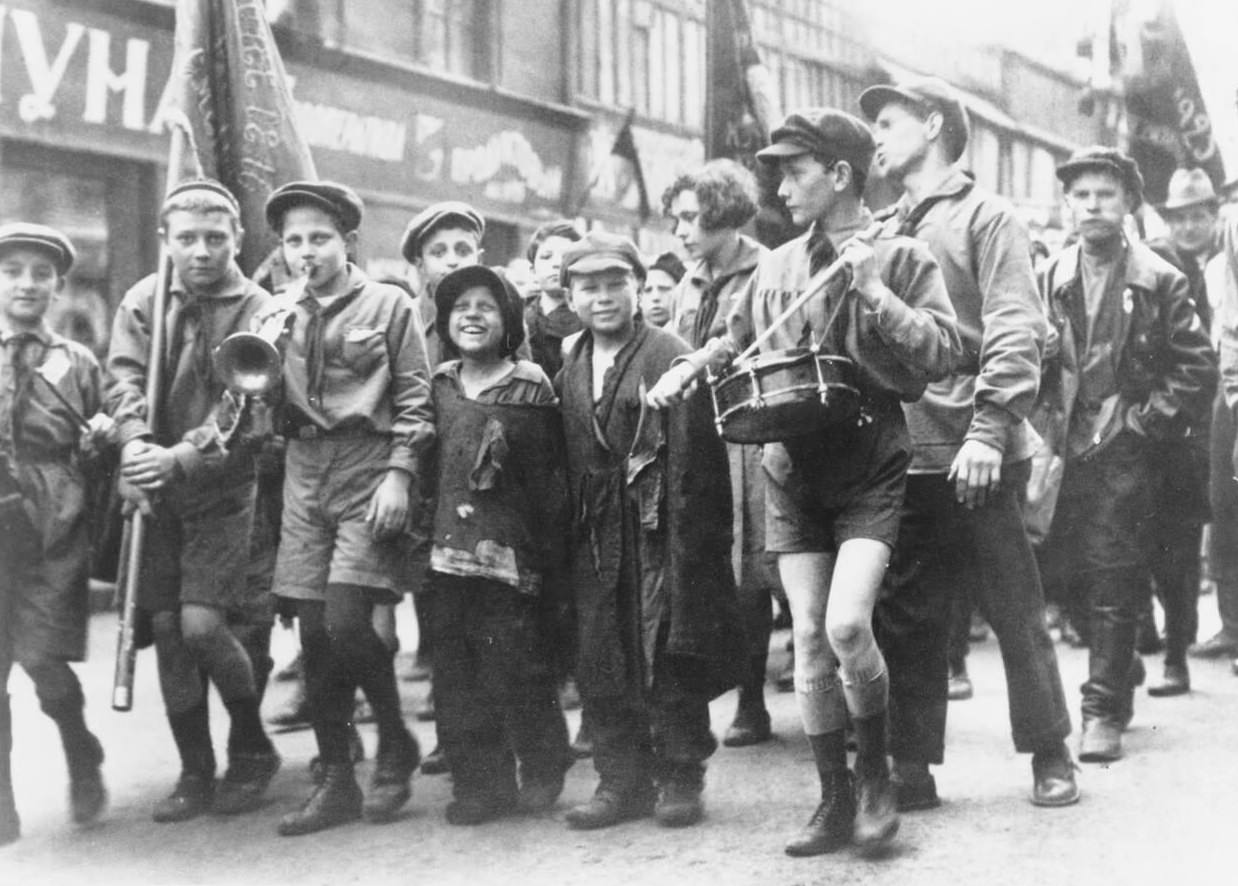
(538, 454)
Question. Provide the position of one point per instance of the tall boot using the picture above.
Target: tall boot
(833, 822)
(195, 789)
(10, 823)
(876, 814)
(751, 724)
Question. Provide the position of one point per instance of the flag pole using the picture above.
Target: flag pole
(134, 538)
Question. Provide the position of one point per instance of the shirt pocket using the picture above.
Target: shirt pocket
(364, 349)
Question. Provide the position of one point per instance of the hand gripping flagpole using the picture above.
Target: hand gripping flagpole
(134, 538)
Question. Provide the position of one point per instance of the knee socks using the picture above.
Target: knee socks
(822, 706)
(866, 683)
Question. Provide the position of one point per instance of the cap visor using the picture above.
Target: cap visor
(873, 99)
(592, 264)
(781, 149)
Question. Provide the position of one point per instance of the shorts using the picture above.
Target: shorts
(196, 549)
(44, 570)
(821, 492)
(325, 538)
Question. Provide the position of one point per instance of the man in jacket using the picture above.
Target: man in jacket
(962, 521)
(1131, 368)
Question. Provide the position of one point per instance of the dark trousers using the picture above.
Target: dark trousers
(1096, 539)
(495, 688)
(1180, 469)
(663, 734)
(1223, 493)
(945, 552)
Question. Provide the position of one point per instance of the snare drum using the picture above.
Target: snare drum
(785, 394)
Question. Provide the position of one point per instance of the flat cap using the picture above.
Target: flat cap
(334, 198)
(435, 216)
(210, 186)
(511, 305)
(42, 238)
(1098, 158)
(600, 251)
(669, 264)
(930, 94)
(1189, 187)
(827, 131)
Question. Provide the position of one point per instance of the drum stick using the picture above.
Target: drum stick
(823, 279)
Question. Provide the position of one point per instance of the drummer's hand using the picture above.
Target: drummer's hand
(101, 430)
(976, 473)
(675, 384)
(133, 497)
(865, 277)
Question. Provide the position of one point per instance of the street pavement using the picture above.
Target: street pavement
(1164, 815)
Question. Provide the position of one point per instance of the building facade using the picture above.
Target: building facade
(513, 107)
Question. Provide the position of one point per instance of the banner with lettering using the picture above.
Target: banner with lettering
(741, 108)
(228, 86)
(1169, 125)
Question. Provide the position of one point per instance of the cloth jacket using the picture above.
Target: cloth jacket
(703, 283)
(1165, 368)
(651, 523)
(985, 256)
(195, 326)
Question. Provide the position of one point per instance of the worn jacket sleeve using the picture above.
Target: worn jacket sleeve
(1013, 319)
(127, 357)
(1182, 394)
(412, 414)
(914, 316)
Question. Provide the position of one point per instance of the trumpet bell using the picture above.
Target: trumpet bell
(248, 364)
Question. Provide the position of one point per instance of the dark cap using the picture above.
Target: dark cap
(42, 238)
(929, 94)
(333, 198)
(432, 218)
(207, 185)
(1098, 158)
(600, 251)
(510, 303)
(825, 131)
(669, 264)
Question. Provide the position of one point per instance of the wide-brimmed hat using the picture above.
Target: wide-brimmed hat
(1189, 187)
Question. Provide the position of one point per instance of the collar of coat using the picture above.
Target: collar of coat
(744, 259)
(1140, 271)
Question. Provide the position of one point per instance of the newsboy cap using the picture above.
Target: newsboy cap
(600, 251)
(336, 199)
(436, 216)
(826, 131)
(1098, 158)
(1189, 187)
(40, 237)
(929, 94)
(208, 185)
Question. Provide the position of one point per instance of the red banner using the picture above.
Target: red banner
(229, 89)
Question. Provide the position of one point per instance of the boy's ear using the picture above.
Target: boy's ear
(350, 241)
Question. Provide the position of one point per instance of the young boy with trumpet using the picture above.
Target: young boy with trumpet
(358, 418)
(832, 500)
(48, 385)
(197, 495)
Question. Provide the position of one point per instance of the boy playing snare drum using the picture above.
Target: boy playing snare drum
(832, 503)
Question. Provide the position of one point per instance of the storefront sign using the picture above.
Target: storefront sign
(89, 81)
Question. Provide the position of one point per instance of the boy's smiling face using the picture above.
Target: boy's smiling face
(605, 301)
(476, 324)
(28, 282)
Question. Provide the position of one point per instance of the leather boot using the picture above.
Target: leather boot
(876, 813)
(10, 823)
(679, 796)
(831, 825)
(1100, 740)
(751, 724)
(609, 806)
(1053, 777)
(336, 801)
(389, 785)
(1114, 669)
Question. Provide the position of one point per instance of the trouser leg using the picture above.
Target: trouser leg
(622, 747)
(1013, 602)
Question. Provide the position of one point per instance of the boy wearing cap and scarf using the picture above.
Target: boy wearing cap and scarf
(962, 528)
(1132, 368)
(358, 419)
(199, 496)
(832, 500)
(650, 550)
(498, 555)
(44, 537)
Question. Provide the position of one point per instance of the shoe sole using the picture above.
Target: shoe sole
(1056, 804)
(1099, 757)
(1168, 691)
(747, 740)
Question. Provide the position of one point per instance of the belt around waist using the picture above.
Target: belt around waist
(314, 432)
